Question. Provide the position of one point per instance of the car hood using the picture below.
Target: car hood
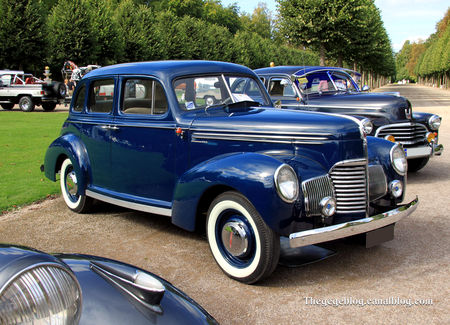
(276, 122)
(389, 106)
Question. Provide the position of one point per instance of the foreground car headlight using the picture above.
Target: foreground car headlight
(434, 122)
(43, 293)
(367, 126)
(398, 160)
(286, 182)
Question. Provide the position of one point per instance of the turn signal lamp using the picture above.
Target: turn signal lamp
(430, 137)
(390, 137)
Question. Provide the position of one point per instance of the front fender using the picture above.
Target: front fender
(69, 146)
(379, 154)
(251, 174)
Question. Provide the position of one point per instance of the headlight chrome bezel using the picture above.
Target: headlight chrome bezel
(42, 284)
(398, 160)
(434, 122)
(283, 175)
(367, 126)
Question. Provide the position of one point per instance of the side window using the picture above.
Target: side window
(101, 96)
(144, 96)
(281, 87)
(79, 100)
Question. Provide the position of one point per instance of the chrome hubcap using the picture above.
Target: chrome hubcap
(235, 238)
(71, 183)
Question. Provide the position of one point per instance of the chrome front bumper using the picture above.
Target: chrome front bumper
(346, 229)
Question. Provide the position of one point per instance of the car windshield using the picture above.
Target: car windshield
(326, 82)
(200, 92)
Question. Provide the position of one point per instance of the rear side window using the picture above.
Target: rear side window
(144, 97)
(101, 96)
(79, 99)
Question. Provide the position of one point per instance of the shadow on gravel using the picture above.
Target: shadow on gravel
(434, 171)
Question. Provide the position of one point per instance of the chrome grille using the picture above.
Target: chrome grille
(405, 133)
(314, 191)
(350, 186)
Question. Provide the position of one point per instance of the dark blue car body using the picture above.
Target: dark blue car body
(253, 173)
(300, 87)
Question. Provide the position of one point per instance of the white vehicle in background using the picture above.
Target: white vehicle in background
(18, 87)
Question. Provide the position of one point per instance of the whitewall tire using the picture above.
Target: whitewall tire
(244, 247)
(69, 188)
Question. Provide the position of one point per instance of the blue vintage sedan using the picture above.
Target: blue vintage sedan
(335, 90)
(187, 140)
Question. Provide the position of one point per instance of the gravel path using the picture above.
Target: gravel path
(414, 266)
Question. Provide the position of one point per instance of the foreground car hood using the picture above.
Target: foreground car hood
(368, 104)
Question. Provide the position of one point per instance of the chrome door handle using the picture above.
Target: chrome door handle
(110, 127)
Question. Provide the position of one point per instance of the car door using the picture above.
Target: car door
(283, 91)
(95, 127)
(143, 144)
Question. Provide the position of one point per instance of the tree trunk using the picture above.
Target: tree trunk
(322, 55)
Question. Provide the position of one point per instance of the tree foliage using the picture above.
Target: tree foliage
(428, 61)
(21, 34)
(340, 30)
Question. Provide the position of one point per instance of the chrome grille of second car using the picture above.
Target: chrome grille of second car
(350, 186)
(405, 133)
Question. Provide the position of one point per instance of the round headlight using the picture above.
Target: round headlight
(43, 293)
(396, 188)
(434, 122)
(367, 126)
(286, 182)
(398, 160)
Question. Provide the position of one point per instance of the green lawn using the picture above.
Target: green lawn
(24, 138)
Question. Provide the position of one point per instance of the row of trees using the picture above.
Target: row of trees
(344, 32)
(350, 33)
(35, 33)
(427, 62)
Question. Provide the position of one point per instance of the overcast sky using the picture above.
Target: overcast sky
(403, 19)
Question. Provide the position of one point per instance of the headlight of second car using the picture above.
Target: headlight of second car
(398, 159)
(434, 122)
(286, 182)
(367, 126)
(46, 293)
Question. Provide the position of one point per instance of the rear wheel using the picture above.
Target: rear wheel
(69, 188)
(244, 247)
(8, 106)
(417, 163)
(48, 107)
(26, 104)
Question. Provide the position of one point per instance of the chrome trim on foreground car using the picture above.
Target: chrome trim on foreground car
(346, 229)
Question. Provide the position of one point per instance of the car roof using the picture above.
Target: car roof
(11, 72)
(168, 69)
(300, 70)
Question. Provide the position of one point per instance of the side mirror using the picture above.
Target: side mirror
(365, 88)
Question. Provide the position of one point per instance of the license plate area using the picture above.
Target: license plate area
(379, 236)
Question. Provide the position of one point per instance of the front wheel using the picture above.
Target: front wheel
(8, 106)
(244, 247)
(417, 163)
(69, 189)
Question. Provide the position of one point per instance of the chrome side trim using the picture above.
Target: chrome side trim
(346, 229)
(274, 130)
(130, 205)
(258, 138)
